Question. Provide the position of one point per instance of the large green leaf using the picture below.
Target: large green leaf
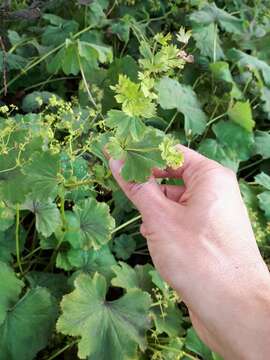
(108, 330)
(96, 224)
(42, 175)
(210, 13)
(11, 288)
(47, 216)
(251, 62)
(140, 156)
(235, 138)
(208, 41)
(173, 95)
(220, 153)
(26, 323)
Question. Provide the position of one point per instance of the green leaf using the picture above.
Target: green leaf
(263, 180)
(28, 325)
(208, 41)
(96, 224)
(70, 59)
(235, 138)
(124, 246)
(241, 114)
(41, 175)
(92, 261)
(47, 216)
(221, 71)
(250, 62)
(36, 100)
(104, 327)
(8, 244)
(11, 288)
(125, 125)
(194, 344)
(264, 201)
(222, 154)
(262, 144)
(210, 13)
(265, 96)
(59, 31)
(173, 350)
(169, 320)
(173, 95)
(140, 157)
(55, 283)
(7, 216)
(132, 278)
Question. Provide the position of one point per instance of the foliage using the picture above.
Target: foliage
(134, 77)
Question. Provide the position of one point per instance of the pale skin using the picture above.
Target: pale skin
(201, 242)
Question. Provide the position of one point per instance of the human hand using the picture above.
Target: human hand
(201, 242)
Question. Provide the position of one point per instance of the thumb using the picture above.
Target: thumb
(147, 197)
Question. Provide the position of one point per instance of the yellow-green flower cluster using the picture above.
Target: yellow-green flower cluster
(170, 153)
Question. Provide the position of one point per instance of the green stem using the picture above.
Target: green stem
(17, 238)
(120, 227)
(62, 350)
(171, 122)
(215, 119)
(143, 150)
(251, 165)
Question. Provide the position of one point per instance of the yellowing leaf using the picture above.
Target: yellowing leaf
(241, 114)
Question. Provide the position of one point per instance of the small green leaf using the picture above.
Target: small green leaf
(124, 246)
(132, 278)
(173, 95)
(125, 125)
(104, 327)
(241, 114)
(221, 71)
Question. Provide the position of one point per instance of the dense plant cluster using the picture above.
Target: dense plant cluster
(135, 77)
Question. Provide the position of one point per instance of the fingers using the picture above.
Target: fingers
(173, 192)
(147, 197)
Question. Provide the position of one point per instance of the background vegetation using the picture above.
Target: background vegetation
(138, 76)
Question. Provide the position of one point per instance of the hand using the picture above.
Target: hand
(201, 242)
